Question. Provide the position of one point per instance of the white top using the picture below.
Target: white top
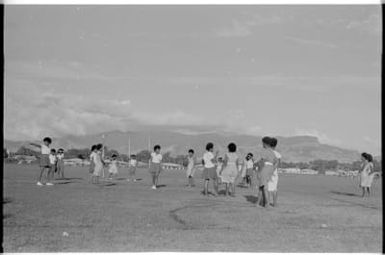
(207, 157)
(45, 149)
(60, 156)
(277, 154)
(52, 159)
(249, 164)
(133, 162)
(191, 163)
(156, 158)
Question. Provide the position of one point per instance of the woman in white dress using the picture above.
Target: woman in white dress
(366, 173)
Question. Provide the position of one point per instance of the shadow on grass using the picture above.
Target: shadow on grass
(107, 184)
(69, 179)
(59, 183)
(161, 186)
(344, 193)
(251, 199)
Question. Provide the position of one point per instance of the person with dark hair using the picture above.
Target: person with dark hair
(99, 164)
(191, 168)
(60, 163)
(366, 173)
(209, 170)
(266, 166)
(113, 169)
(92, 162)
(155, 165)
(272, 185)
(132, 168)
(44, 160)
(53, 163)
(249, 169)
(219, 169)
(229, 172)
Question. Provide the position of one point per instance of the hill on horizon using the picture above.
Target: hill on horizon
(293, 149)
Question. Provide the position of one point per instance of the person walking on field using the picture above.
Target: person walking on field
(155, 165)
(209, 170)
(60, 163)
(132, 168)
(230, 168)
(191, 168)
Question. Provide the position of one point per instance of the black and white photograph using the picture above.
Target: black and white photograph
(192, 128)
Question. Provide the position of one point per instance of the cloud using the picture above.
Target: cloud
(244, 27)
(322, 137)
(308, 42)
(370, 25)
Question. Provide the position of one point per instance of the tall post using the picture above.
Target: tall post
(103, 141)
(129, 147)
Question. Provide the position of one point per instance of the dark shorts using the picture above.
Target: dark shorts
(250, 172)
(44, 161)
(209, 173)
(155, 168)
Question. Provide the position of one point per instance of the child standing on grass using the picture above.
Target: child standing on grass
(98, 164)
(272, 185)
(191, 168)
(53, 166)
(44, 159)
(132, 168)
(209, 170)
(113, 169)
(249, 166)
(60, 163)
(155, 165)
(266, 167)
(219, 169)
(229, 172)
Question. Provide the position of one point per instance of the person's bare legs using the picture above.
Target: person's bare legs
(206, 188)
(275, 198)
(266, 197)
(232, 186)
(227, 189)
(259, 197)
(363, 192)
(40, 176)
(368, 190)
(215, 186)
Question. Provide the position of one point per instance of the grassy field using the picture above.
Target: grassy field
(315, 214)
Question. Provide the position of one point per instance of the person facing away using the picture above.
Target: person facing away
(99, 164)
(266, 166)
(219, 169)
(249, 166)
(191, 168)
(44, 160)
(155, 166)
(230, 169)
(132, 168)
(209, 170)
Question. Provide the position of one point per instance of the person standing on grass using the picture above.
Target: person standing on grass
(230, 168)
(219, 169)
(113, 169)
(266, 166)
(53, 165)
(249, 166)
(92, 162)
(155, 165)
(272, 185)
(132, 168)
(191, 168)
(60, 163)
(209, 170)
(44, 160)
(366, 173)
(98, 162)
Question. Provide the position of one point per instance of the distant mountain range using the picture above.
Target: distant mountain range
(293, 149)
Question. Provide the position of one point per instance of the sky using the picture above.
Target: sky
(257, 70)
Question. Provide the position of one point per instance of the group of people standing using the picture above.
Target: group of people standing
(260, 172)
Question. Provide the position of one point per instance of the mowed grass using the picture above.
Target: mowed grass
(315, 214)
